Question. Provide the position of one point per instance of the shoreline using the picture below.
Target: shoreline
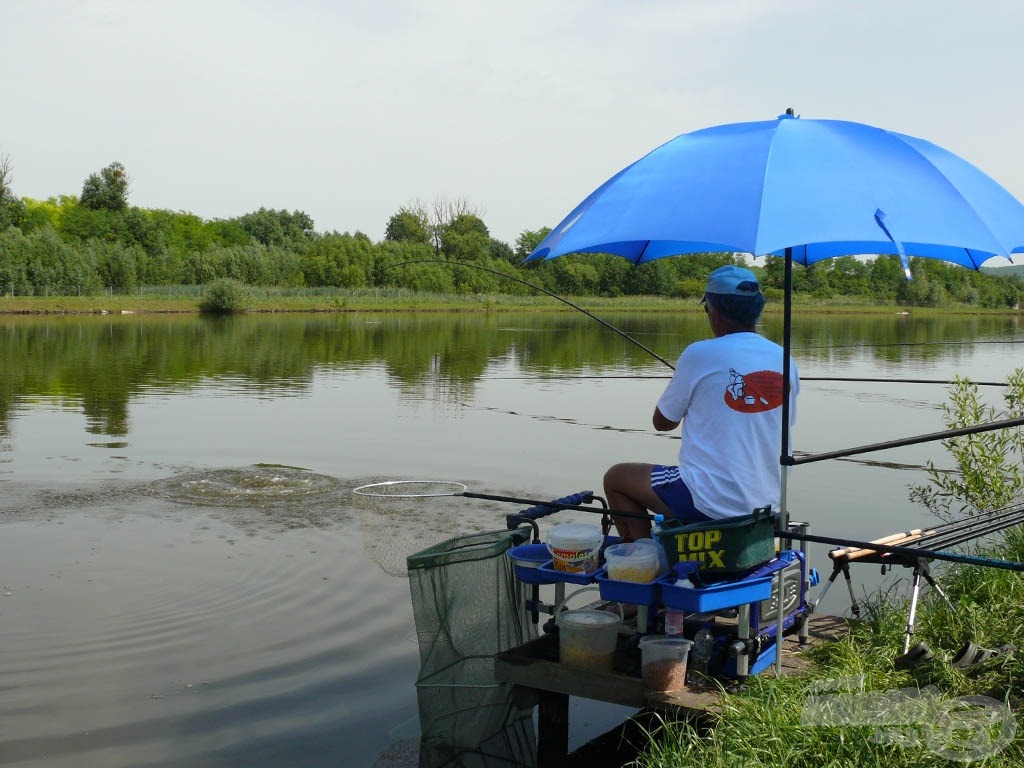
(371, 302)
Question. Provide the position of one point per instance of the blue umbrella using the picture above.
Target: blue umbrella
(803, 189)
(820, 188)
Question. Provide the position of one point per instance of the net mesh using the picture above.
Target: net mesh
(468, 606)
(398, 518)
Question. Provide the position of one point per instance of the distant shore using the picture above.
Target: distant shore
(380, 300)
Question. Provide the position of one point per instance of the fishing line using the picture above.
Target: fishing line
(640, 377)
(912, 344)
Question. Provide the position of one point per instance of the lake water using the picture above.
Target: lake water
(185, 581)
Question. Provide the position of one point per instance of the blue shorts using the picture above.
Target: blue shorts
(671, 489)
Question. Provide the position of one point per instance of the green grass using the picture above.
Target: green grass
(187, 298)
(762, 727)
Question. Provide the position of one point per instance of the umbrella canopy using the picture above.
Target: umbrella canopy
(820, 188)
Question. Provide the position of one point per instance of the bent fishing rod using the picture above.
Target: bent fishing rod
(546, 292)
(648, 350)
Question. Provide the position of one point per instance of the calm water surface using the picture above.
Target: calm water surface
(184, 580)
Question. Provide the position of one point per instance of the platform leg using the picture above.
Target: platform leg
(828, 585)
(743, 633)
(552, 729)
(926, 570)
(854, 605)
(804, 635)
(913, 609)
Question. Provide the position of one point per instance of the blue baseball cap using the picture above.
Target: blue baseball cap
(731, 280)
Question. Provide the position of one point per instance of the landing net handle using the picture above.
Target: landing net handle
(532, 514)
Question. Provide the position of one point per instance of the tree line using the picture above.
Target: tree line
(96, 241)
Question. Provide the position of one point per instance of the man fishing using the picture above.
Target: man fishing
(727, 393)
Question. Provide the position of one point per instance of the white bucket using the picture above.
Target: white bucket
(587, 637)
(575, 547)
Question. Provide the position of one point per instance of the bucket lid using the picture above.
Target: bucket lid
(680, 642)
(575, 536)
(588, 618)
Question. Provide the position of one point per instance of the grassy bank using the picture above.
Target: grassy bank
(186, 299)
(763, 726)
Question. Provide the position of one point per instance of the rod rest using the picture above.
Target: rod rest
(549, 508)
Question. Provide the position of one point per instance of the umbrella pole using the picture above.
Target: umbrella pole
(784, 457)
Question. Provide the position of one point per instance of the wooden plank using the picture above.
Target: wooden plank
(539, 676)
(535, 665)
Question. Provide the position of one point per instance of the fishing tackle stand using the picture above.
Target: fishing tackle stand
(741, 609)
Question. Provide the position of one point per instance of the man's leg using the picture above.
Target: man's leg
(627, 487)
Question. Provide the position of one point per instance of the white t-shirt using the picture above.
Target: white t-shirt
(727, 391)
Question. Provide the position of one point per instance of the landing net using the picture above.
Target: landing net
(467, 605)
(400, 517)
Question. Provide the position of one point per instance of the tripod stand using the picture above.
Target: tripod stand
(922, 569)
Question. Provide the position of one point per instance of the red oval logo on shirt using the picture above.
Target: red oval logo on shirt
(754, 392)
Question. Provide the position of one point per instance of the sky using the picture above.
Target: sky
(349, 110)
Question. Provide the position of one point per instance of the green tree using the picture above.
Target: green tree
(280, 228)
(116, 264)
(465, 238)
(885, 277)
(341, 260)
(528, 240)
(849, 276)
(14, 247)
(411, 224)
(812, 279)
(106, 190)
(501, 252)
(54, 268)
(925, 288)
(50, 212)
(654, 278)
(12, 209)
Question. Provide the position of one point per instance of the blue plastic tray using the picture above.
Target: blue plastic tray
(636, 592)
(714, 597)
(547, 570)
(527, 560)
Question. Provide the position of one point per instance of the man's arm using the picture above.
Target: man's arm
(662, 423)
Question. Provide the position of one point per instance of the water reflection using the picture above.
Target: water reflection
(98, 364)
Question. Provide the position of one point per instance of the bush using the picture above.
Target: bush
(225, 297)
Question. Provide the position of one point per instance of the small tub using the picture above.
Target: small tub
(587, 637)
(632, 562)
(575, 547)
(663, 662)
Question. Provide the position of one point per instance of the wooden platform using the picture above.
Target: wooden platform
(541, 680)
